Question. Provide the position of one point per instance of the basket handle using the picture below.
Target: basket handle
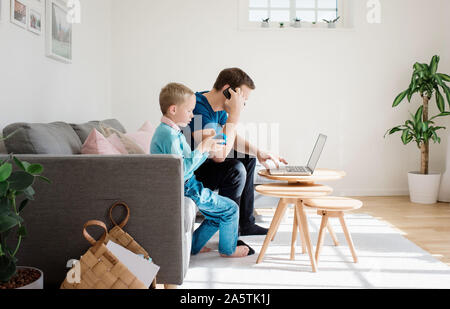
(88, 237)
(125, 221)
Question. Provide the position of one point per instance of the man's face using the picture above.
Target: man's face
(246, 91)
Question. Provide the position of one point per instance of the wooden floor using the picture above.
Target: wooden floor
(428, 226)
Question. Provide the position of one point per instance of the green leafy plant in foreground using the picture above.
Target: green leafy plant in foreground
(14, 185)
(420, 128)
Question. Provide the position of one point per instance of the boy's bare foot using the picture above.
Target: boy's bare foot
(240, 251)
(205, 250)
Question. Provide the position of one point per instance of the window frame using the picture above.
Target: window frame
(244, 10)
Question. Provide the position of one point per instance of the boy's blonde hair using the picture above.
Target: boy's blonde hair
(173, 94)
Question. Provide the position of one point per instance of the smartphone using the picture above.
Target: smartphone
(222, 136)
(227, 93)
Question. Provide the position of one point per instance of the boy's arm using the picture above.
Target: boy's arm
(229, 130)
(193, 160)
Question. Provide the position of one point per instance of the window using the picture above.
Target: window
(287, 10)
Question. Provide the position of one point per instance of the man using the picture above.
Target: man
(232, 175)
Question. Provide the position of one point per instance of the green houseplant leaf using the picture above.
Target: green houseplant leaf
(20, 180)
(35, 169)
(400, 98)
(7, 268)
(5, 171)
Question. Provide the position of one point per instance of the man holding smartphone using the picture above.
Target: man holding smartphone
(218, 111)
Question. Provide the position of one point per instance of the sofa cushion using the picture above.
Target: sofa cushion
(128, 142)
(83, 130)
(57, 138)
(97, 144)
(2, 147)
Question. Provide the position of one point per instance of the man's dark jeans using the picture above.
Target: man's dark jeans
(235, 179)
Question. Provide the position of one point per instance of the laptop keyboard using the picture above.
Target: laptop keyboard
(296, 169)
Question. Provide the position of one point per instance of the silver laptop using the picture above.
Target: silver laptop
(307, 170)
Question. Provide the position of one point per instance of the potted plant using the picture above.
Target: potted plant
(281, 25)
(332, 23)
(15, 192)
(265, 23)
(423, 185)
(314, 24)
(297, 23)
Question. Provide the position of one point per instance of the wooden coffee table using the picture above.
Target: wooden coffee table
(293, 191)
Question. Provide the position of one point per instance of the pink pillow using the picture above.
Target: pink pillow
(143, 137)
(97, 144)
(147, 127)
(116, 142)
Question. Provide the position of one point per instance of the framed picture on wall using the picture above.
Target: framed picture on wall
(19, 13)
(58, 31)
(35, 21)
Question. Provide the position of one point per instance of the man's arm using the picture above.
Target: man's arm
(229, 129)
(243, 146)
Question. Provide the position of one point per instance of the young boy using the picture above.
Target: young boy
(221, 214)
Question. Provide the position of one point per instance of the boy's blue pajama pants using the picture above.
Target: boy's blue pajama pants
(221, 214)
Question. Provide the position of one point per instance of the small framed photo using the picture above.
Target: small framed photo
(58, 31)
(35, 21)
(19, 13)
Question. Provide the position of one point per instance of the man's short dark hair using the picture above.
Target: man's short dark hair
(234, 77)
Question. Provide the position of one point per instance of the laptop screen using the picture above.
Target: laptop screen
(312, 163)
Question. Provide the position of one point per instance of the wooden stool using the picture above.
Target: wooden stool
(331, 206)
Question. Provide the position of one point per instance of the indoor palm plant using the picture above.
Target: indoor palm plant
(15, 192)
(421, 128)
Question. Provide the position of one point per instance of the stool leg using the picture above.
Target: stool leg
(294, 234)
(282, 205)
(333, 235)
(302, 236)
(348, 237)
(323, 226)
(279, 221)
(305, 230)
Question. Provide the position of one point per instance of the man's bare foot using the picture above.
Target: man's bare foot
(205, 250)
(240, 251)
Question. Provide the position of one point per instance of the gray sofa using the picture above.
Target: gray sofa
(83, 188)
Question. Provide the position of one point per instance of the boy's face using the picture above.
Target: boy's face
(184, 112)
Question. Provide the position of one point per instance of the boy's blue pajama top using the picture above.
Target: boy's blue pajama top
(221, 213)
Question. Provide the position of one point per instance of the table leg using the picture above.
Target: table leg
(302, 236)
(281, 208)
(333, 235)
(279, 221)
(294, 234)
(305, 229)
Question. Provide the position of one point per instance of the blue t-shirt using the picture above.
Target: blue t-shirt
(205, 117)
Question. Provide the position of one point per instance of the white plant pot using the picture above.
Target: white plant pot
(36, 285)
(332, 25)
(265, 25)
(424, 189)
(444, 192)
(297, 24)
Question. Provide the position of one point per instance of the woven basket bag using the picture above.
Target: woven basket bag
(100, 269)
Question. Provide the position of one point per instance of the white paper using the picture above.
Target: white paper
(141, 268)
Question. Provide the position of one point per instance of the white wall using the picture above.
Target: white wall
(35, 88)
(341, 83)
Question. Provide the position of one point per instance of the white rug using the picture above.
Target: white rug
(386, 260)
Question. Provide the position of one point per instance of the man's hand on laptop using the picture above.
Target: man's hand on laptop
(263, 157)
